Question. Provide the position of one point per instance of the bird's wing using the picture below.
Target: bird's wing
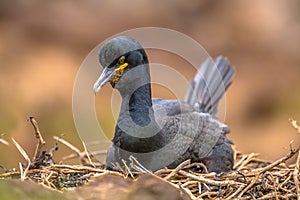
(190, 135)
(171, 107)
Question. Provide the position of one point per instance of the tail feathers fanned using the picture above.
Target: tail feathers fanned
(210, 84)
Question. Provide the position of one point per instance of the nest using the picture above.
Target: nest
(251, 178)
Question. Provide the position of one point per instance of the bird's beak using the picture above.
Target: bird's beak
(111, 74)
(106, 75)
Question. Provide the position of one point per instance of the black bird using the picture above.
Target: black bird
(160, 132)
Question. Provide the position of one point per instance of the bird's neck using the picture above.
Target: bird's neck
(138, 105)
(137, 130)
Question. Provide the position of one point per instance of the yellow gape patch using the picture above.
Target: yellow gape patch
(119, 72)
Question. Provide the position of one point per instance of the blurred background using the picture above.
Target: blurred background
(43, 43)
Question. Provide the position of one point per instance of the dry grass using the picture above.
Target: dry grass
(251, 178)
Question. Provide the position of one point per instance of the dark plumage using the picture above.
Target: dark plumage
(159, 132)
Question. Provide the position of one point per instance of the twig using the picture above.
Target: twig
(76, 167)
(179, 167)
(277, 162)
(138, 166)
(127, 168)
(295, 125)
(188, 192)
(209, 194)
(49, 184)
(271, 178)
(189, 183)
(21, 172)
(295, 175)
(72, 147)
(87, 154)
(234, 194)
(118, 167)
(24, 154)
(245, 161)
(197, 165)
(208, 181)
(2, 141)
(38, 135)
(248, 186)
(75, 155)
(286, 179)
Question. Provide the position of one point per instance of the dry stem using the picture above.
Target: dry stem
(38, 135)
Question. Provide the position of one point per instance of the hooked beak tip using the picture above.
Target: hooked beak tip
(97, 88)
(103, 79)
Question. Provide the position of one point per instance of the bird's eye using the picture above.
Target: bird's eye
(122, 60)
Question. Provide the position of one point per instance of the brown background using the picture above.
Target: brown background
(42, 45)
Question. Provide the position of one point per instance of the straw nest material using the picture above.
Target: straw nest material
(251, 178)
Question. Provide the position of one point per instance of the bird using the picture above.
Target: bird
(158, 133)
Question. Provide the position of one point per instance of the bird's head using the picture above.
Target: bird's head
(118, 56)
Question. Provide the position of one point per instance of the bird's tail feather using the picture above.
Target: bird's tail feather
(209, 85)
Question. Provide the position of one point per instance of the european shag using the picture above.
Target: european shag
(158, 132)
